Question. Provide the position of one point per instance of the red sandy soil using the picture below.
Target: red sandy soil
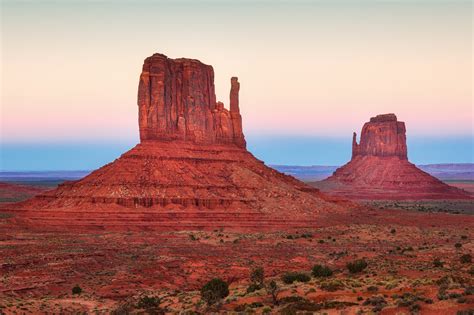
(14, 192)
(465, 185)
(39, 268)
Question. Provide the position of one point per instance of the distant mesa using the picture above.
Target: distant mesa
(191, 169)
(379, 168)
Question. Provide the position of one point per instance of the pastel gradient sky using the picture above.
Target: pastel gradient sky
(311, 73)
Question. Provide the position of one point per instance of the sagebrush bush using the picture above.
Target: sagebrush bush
(257, 276)
(291, 277)
(356, 266)
(214, 291)
(253, 287)
(321, 271)
(332, 285)
(147, 302)
(466, 259)
(438, 263)
(76, 290)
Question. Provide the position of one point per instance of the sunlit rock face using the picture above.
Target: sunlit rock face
(177, 101)
(191, 169)
(383, 135)
(379, 167)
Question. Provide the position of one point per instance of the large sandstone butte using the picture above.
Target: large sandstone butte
(191, 169)
(176, 101)
(379, 168)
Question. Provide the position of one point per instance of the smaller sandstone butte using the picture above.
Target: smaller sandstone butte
(379, 168)
(177, 101)
(382, 136)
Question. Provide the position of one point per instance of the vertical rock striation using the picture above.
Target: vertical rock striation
(383, 135)
(177, 101)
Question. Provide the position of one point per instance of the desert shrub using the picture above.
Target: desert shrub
(469, 290)
(466, 312)
(356, 266)
(378, 302)
(437, 263)
(295, 307)
(321, 271)
(253, 287)
(471, 271)
(257, 276)
(454, 295)
(76, 290)
(148, 302)
(244, 307)
(458, 245)
(372, 288)
(466, 259)
(291, 277)
(292, 299)
(407, 299)
(272, 288)
(214, 291)
(123, 309)
(415, 308)
(393, 231)
(332, 285)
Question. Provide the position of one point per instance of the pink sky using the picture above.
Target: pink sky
(71, 71)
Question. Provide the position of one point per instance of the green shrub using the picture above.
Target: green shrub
(257, 276)
(438, 263)
(291, 277)
(76, 290)
(378, 303)
(148, 302)
(356, 266)
(466, 259)
(253, 287)
(214, 291)
(372, 288)
(272, 288)
(332, 285)
(320, 271)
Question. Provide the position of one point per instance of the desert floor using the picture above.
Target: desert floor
(116, 269)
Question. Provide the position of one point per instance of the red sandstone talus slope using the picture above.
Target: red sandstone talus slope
(190, 170)
(379, 168)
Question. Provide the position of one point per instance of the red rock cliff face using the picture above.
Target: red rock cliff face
(383, 135)
(177, 101)
(379, 168)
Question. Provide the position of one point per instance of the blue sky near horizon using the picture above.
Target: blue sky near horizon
(286, 150)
